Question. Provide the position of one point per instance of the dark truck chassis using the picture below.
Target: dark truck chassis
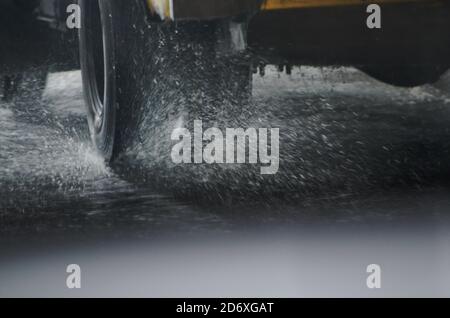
(411, 48)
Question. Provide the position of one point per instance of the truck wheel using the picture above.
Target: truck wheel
(132, 67)
(98, 68)
(405, 75)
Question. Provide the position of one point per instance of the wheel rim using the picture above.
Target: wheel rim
(96, 60)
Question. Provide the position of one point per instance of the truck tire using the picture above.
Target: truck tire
(405, 75)
(133, 66)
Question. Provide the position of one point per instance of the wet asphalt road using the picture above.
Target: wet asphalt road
(360, 161)
(347, 143)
